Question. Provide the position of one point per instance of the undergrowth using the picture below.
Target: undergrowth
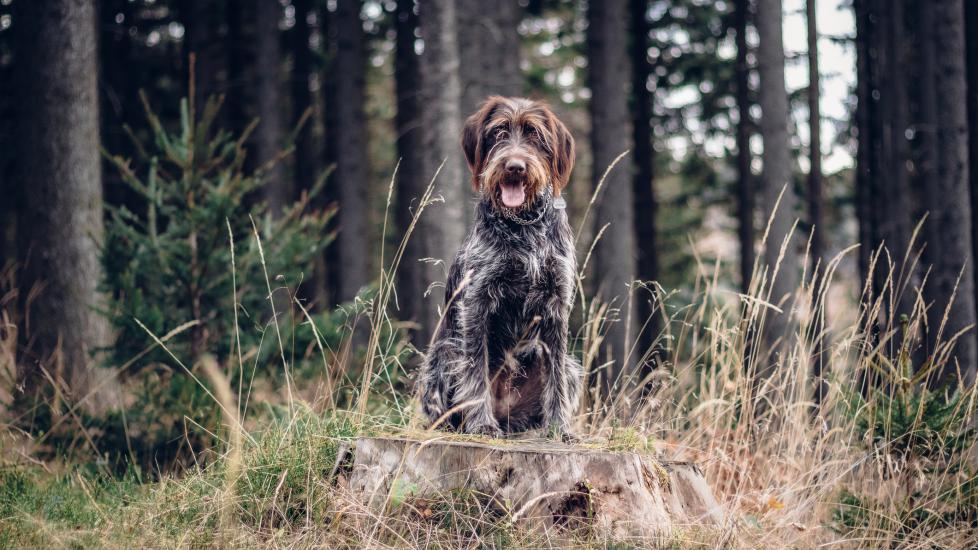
(248, 439)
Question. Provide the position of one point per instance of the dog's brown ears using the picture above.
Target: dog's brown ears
(472, 136)
(563, 155)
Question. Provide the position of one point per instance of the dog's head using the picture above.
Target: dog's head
(515, 147)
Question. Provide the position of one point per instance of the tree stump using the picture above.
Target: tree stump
(541, 482)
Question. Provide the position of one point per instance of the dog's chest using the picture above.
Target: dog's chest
(509, 271)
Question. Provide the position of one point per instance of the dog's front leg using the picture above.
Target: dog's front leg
(561, 378)
(472, 392)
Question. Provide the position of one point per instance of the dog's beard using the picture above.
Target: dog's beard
(513, 193)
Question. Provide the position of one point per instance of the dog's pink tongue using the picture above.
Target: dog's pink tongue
(513, 194)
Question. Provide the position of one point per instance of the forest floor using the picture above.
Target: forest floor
(800, 484)
(278, 493)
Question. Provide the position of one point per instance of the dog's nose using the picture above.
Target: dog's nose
(515, 167)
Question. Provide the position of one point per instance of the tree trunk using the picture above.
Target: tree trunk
(328, 273)
(411, 180)
(58, 167)
(883, 189)
(817, 251)
(442, 226)
(894, 217)
(10, 207)
(951, 277)
(926, 117)
(971, 36)
(883, 177)
(236, 87)
(745, 178)
(489, 51)
(350, 177)
(614, 254)
(540, 484)
(270, 134)
(776, 176)
(304, 175)
(864, 153)
(489, 55)
(648, 319)
(201, 21)
(815, 142)
(119, 103)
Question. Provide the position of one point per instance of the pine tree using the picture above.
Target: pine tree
(348, 133)
(950, 286)
(489, 51)
(779, 196)
(171, 262)
(57, 166)
(442, 226)
(270, 133)
(304, 174)
(614, 254)
(745, 178)
(647, 264)
(411, 181)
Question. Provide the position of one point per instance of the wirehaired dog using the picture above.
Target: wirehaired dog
(499, 361)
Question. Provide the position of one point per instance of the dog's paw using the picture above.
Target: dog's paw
(486, 430)
(433, 406)
(569, 437)
(562, 434)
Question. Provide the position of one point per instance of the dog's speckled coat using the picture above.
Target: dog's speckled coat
(499, 362)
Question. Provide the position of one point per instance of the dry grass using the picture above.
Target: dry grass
(780, 464)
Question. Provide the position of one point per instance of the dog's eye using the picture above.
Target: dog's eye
(531, 133)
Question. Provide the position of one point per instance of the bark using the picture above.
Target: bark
(12, 205)
(926, 116)
(971, 36)
(745, 178)
(58, 168)
(350, 177)
(864, 152)
(817, 251)
(540, 484)
(614, 255)
(815, 141)
(950, 287)
(883, 179)
(442, 225)
(236, 88)
(328, 273)
(893, 183)
(777, 171)
(117, 88)
(201, 21)
(270, 133)
(304, 174)
(489, 55)
(411, 181)
(119, 98)
(647, 265)
(489, 51)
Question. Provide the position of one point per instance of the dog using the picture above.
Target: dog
(499, 361)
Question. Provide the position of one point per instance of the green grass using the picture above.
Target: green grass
(283, 482)
(67, 509)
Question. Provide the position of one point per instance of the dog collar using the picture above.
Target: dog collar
(557, 203)
(513, 217)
